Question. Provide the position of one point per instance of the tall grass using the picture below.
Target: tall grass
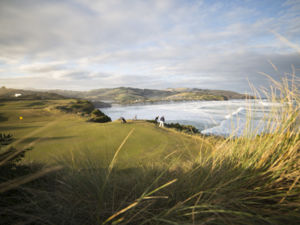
(247, 180)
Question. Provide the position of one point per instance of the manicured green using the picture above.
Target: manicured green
(54, 134)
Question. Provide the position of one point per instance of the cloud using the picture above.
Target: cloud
(86, 44)
(42, 67)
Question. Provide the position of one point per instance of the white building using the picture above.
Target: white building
(18, 95)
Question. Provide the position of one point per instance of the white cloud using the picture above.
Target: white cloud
(155, 43)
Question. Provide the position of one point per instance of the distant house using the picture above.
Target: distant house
(18, 95)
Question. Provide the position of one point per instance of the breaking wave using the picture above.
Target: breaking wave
(210, 117)
(239, 110)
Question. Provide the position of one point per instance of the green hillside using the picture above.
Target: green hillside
(103, 97)
(20, 94)
(56, 133)
(124, 95)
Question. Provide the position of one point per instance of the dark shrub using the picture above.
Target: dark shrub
(185, 128)
(81, 106)
(5, 139)
(84, 107)
(10, 159)
(97, 112)
(101, 119)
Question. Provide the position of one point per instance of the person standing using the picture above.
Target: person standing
(162, 121)
(123, 120)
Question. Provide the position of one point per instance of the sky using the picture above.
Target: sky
(158, 44)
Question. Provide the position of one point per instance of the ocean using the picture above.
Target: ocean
(210, 117)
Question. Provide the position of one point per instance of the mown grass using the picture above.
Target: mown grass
(137, 173)
(54, 134)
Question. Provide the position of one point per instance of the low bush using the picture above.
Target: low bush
(79, 106)
(5, 139)
(97, 112)
(85, 108)
(100, 119)
(184, 128)
(180, 127)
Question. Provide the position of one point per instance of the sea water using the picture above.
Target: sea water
(210, 117)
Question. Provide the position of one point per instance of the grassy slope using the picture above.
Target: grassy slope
(9, 94)
(125, 95)
(240, 181)
(55, 133)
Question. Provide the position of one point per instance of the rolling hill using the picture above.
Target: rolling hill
(10, 94)
(122, 95)
(127, 95)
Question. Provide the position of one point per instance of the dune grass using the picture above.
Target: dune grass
(137, 173)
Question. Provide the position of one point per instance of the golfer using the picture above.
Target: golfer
(162, 121)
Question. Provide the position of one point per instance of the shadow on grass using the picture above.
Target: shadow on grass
(207, 194)
(3, 118)
(31, 139)
(41, 103)
(5, 128)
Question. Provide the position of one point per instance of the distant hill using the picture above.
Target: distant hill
(127, 95)
(19, 94)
